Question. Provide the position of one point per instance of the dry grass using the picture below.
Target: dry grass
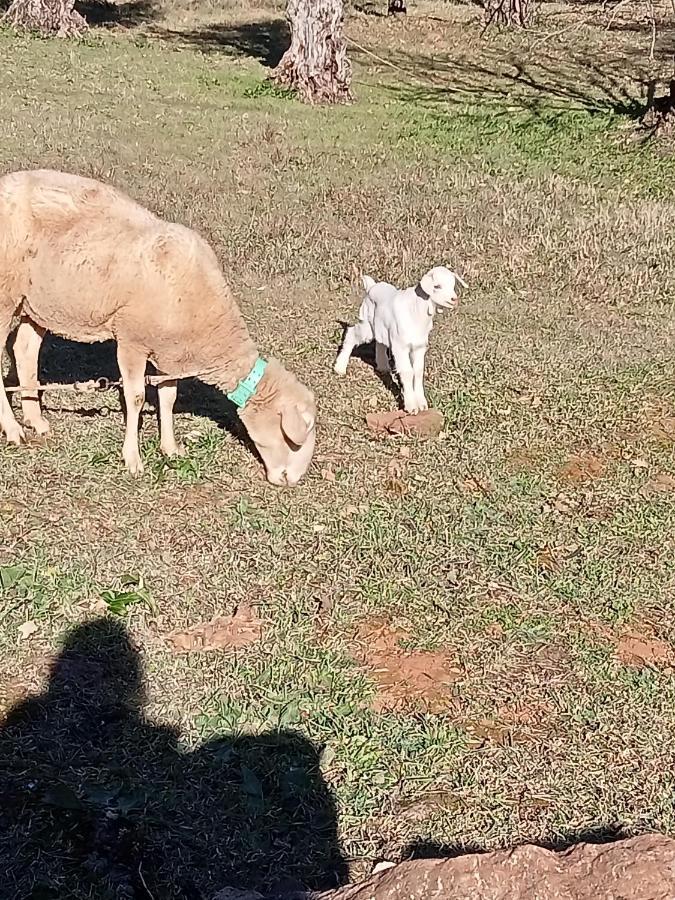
(529, 546)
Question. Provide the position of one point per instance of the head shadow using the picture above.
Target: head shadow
(114, 807)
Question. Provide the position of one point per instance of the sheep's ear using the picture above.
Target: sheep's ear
(427, 284)
(296, 425)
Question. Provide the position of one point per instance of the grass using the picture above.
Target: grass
(524, 544)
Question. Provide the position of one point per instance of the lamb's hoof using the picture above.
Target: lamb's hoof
(39, 425)
(340, 369)
(15, 434)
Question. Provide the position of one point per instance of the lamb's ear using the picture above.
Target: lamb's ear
(296, 424)
(368, 283)
(427, 284)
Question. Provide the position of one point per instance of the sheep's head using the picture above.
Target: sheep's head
(439, 285)
(280, 420)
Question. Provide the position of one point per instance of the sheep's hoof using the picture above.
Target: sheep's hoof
(39, 425)
(15, 434)
(174, 450)
(134, 467)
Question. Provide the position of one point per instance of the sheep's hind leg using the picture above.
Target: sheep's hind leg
(13, 431)
(166, 397)
(132, 369)
(354, 337)
(29, 338)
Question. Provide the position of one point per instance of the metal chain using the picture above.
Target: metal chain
(95, 384)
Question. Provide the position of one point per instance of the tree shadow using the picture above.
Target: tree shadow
(101, 14)
(265, 41)
(98, 801)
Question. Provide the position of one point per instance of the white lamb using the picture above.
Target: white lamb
(401, 321)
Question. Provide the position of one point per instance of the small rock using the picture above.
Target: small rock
(426, 424)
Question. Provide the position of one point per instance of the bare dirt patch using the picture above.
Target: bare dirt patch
(583, 467)
(221, 633)
(642, 650)
(418, 679)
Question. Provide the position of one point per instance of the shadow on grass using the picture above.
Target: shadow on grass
(265, 41)
(100, 14)
(541, 85)
(68, 361)
(98, 801)
(602, 834)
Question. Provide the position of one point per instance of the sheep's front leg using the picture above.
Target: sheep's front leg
(166, 395)
(418, 355)
(132, 369)
(29, 338)
(405, 372)
(13, 431)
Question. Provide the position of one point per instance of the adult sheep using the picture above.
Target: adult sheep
(83, 260)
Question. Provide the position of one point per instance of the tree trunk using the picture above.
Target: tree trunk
(316, 63)
(46, 16)
(508, 12)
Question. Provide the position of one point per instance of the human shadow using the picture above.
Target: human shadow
(98, 801)
(266, 41)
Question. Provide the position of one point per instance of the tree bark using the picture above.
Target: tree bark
(316, 63)
(56, 17)
(510, 13)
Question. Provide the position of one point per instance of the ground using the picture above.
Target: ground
(463, 642)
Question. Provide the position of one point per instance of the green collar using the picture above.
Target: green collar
(248, 386)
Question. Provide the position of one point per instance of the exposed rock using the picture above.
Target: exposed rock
(641, 868)
(425, 424)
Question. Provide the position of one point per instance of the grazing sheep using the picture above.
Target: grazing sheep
(82, 260)
(401, 321)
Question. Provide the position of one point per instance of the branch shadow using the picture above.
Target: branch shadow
(265, 41)
(540, 88)
(98, 801)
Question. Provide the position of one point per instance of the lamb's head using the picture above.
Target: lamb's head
(280, 420)
(439, 285)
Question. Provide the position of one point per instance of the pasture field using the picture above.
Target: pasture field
(465, 642)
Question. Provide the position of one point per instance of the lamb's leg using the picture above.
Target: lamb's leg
(381, 358)
(26, 353)
(13, 431)
(405, 372)
(418, 355)
(132, 369)
(358, 334)
(166, 395)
